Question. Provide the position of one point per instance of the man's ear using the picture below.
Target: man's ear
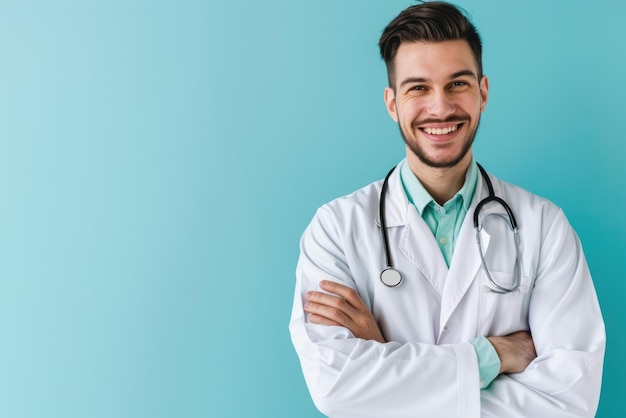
(390, 103)
(484, 92)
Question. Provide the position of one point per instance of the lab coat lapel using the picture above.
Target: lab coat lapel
(463, 268)
(419, 245)
(465, 262)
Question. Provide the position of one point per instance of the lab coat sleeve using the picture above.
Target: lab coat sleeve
(351, 377)
(568, 331)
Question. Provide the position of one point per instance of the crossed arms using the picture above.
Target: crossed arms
(343, 307)
(354, 367)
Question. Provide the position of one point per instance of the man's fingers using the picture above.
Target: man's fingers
(329, 300)
(318, 319)
(342, 306)
(346, 292)
(336, 300)
(331, 313)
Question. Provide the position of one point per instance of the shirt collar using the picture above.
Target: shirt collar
(420, 198)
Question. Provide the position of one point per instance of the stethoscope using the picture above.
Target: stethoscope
(392, 277)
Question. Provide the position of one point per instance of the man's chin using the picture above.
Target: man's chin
(440, 161)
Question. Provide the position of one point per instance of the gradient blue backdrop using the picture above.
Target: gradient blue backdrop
(160, 159)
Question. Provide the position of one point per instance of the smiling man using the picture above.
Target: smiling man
(442, 291)
(436, 96)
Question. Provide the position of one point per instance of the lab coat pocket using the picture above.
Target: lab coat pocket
(502, 313)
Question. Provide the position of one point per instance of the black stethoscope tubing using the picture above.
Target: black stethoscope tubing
(491, 198)
(392, 277)
(389, 276)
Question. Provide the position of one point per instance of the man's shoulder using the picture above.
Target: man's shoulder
(364, 199)
(525, 202)
(347, 213)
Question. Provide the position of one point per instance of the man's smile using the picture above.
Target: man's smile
(440, 130)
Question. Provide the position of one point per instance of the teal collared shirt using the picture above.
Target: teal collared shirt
(445, 223)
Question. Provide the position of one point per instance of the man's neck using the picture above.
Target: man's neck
(441, 183)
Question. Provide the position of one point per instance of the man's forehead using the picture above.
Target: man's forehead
(435, 59)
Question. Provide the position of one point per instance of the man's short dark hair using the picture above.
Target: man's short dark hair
(435, 21)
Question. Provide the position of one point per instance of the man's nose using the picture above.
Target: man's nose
(440, 104)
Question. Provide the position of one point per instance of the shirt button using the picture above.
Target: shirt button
(443, 240)
(446, 327)
(482, 383)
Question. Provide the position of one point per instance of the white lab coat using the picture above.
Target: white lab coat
(428, 368)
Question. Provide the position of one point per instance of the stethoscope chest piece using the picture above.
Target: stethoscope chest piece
(391, 277)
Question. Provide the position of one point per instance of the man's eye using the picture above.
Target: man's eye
(418, 88)
(460, 83)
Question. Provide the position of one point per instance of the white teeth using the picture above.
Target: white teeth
(440, 131)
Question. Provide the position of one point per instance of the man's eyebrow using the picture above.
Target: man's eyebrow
(412, 80)
(464, 73)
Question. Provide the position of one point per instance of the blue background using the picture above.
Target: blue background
(160, 159)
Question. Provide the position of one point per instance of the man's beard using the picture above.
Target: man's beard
(419, 152)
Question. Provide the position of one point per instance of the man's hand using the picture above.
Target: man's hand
(516, 351)
(346, 309)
